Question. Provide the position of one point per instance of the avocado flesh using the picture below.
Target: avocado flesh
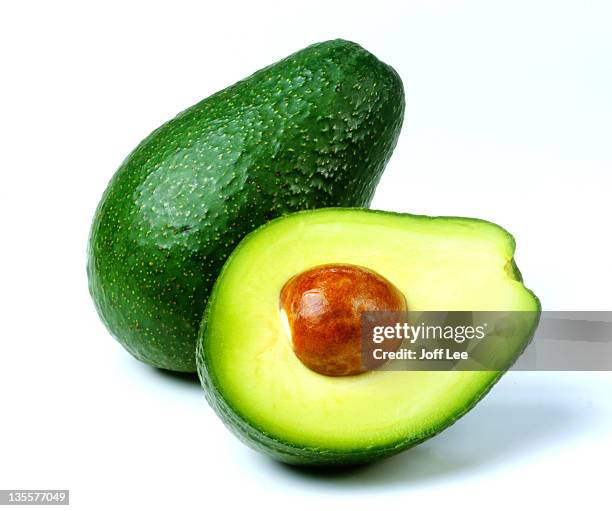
(315, 129)
(275, 404)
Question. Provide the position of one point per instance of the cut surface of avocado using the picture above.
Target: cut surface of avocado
(274, 403)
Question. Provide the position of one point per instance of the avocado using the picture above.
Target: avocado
(315, 129)
(266, 390)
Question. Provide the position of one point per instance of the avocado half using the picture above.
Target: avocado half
(275, 404)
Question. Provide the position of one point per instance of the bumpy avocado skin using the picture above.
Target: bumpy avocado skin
(315, 129)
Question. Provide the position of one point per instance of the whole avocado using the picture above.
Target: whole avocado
(315, 129)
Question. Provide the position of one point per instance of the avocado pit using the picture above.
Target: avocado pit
(323, 306)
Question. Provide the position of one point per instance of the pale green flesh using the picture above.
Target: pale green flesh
(438, 263)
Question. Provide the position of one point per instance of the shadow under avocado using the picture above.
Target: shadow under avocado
(177, 376)
(493, 433)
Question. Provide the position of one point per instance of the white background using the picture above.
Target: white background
(509, 118)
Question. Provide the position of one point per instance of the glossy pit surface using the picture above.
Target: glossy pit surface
(323, 307)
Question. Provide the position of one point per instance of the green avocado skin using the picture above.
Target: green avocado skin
(315, 129)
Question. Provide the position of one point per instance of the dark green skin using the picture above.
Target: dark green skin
(315, 129)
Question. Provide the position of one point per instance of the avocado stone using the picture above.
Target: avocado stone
(315, 129)
(274, 403)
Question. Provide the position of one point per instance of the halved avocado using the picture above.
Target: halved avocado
(274, 403)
